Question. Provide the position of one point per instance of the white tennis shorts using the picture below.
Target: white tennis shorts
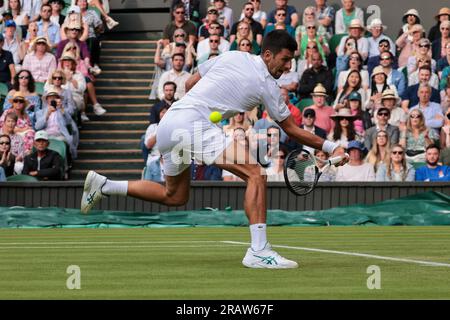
(186, 134)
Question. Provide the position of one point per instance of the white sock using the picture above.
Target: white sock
(258, 235)
(115, 188)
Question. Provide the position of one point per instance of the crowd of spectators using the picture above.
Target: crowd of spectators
(386, 100)
(48, 66)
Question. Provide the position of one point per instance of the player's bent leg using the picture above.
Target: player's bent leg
(260, 253)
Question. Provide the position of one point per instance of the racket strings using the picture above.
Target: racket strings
(301, 172)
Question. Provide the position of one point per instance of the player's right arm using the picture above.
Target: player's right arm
(192, 81)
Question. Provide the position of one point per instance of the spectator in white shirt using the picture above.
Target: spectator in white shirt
(177, 75)
(349, 11)
(356, 169)
(356, 30)
(377, 28)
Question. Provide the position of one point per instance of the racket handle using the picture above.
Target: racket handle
(335, 160)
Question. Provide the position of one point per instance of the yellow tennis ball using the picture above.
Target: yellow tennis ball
(215, 116)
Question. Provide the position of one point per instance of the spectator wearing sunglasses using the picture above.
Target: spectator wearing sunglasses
(191, 9)
(291, 14)
(383, 46)
(280, 16)
(396, 168)
(382, 115)
(203, 45)
(179, 21)
(421, 55)
(214, 43)
(7, 159)
(245, 32)
(258, 15)
(256, 27)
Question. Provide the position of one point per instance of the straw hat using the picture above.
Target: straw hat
(40, 40)
(390, 94)
(68, 56)
(378, 70)
(51, 92)
(413, 12)
(376, 23)
(343, 113)
(356, 23)
(443, 11)
(319, 91)
(19, 96)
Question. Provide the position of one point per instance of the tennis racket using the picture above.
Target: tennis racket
(301, 170)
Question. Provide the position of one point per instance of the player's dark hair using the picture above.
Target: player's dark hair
(277, 40)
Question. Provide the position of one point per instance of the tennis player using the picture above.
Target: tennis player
(231, 83)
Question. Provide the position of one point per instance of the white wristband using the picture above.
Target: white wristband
(329, 146)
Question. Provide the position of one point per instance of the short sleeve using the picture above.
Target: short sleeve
(275, 105)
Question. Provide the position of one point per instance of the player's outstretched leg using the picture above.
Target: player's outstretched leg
(174, 193)
(260, 254)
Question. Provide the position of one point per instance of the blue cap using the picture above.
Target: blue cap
(10, 23)
(354, 144)
(354, 96)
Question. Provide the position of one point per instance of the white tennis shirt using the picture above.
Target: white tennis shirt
(234, 82)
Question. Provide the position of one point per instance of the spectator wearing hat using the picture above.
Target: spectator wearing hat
(55, 120)
(346, 14)
(318, 73)
(57, 6)
(257, 29)
(322, 112)
(75, 83)
(40, 61)
(344, 128)
(8, 16)
(439, 44)
(394, 77)
(24, 125)
(382, 114)
(7, 68)
(377, 29)
(433, 171)
(408, 44)
(356, 169)
(211, 18)
(203, 47)
(280, 15)
(55, 81)
(356, 30)
(435, 32)
(44, 164)
(409, 19)
(291, 17)
(179, 21)
(410, 96)
(391, 101)
(75, 33)
(432, 111)
(384, 45)
(46, 28)
(74, 22)
(11, 43)
(377, 87)
(363, 119)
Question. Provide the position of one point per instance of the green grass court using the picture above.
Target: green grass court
(194, 263)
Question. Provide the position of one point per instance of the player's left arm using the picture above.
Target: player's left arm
(192, 80)
(304, 137)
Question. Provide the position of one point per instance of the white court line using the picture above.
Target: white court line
(427, 263)
(115, 247)
(103, 242)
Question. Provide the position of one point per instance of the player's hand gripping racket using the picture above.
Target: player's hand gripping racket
(302, 170)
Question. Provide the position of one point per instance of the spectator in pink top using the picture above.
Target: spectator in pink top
(323, 112)
(40, 61)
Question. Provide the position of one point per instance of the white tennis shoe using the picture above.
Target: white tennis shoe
(267, 258)
(92, 191)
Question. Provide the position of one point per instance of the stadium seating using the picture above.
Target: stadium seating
(39, 88)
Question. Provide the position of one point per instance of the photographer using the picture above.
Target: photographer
(56, 121)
